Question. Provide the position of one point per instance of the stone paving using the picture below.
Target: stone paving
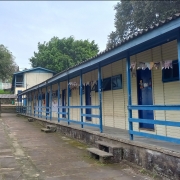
(26, 153)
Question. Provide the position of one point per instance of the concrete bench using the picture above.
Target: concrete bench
(102, 156)
(30, 119)
(53, 128)
(46, 130)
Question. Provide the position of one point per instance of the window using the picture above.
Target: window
(95, 87)
(171, 74)
(110, 83)
(106, 85)
(117, 82)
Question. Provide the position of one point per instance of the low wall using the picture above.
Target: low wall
(8, 109)
(161, 161)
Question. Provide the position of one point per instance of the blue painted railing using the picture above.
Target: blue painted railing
(157, 122)
(38, 112)
(81, 122)
(19, 84)
(39, 109)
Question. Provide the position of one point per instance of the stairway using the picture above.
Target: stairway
(106, 152)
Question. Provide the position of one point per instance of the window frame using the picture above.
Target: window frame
(171, 79)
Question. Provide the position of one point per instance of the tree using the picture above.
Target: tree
(133, 16)
(7, 64)
(60, 54)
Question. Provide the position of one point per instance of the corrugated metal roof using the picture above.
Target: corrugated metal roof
(129, 38)
(8, 96)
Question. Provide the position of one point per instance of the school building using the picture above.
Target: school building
(134, 86)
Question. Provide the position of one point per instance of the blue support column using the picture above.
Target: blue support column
(34, 103)
(68, 100)
(81, 98)
(46, 94)
(128, 74)
(15, 85)
(50, 102)
(58, 100)
(41, 102)
(38, 101)
(31, 104)
(100, 97)
(178, 50)
(22, 106)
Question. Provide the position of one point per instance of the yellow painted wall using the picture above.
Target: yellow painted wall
(114, 102)
(31, 79)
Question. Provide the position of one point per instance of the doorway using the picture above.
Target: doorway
(145, 96)
(88, 101)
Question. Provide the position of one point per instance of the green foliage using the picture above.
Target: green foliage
(5, 92)
(133, 16)
(7, 64)
(60, 54)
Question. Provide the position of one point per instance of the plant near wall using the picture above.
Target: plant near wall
(61, 54)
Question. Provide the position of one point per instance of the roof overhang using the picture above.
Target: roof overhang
(153, 38)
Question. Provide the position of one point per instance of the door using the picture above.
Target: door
(88, 100)
(64, 102)
(47, 104)
(145, 97)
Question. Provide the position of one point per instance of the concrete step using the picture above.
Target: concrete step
(99, 152)
(102, 156)
(114, 149)
(52, 127)
(30, 119)
(46, 130)
(107, 144)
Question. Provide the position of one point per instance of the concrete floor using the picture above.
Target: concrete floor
(26, 153)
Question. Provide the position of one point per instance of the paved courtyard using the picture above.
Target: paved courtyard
(26, 153)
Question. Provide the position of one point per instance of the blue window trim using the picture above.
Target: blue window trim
(172, 78)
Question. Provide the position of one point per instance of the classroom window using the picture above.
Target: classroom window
(117, 82)
(106, 85)
(171, 74)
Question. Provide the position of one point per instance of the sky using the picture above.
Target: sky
(25, 23)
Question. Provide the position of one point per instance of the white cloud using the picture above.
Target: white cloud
(25, 23)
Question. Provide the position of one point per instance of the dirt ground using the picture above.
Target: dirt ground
(26, 153)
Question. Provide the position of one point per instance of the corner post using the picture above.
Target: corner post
(100, 97)
(50, 102)
(128, 75)
(31, 103)
(68, 100)
(38, 94)
(81, 98)
(46, 100)
(178, 50)
(58, 101)
(15, 84)
(0, 107)
(34, 103)
(41, 103)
